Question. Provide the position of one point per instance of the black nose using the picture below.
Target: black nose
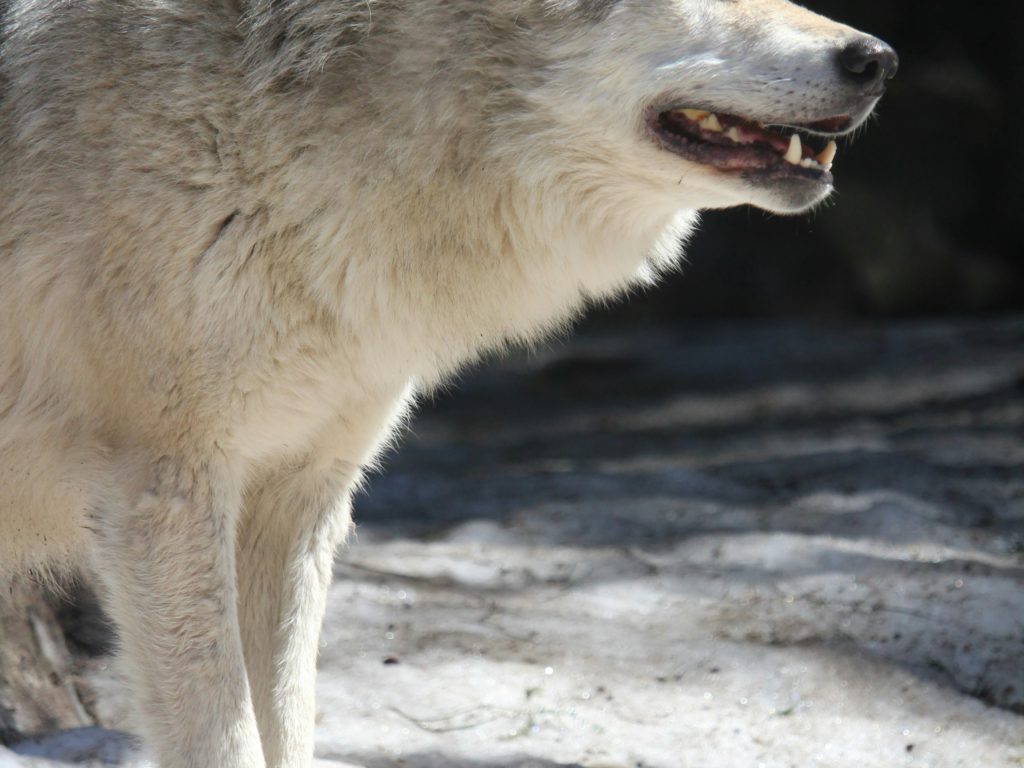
(869, 62)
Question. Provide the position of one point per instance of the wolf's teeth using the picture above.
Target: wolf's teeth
(733, 134)
(694, 114)
(828, 154)
(711, 123)
(795, 152)
(808, 162)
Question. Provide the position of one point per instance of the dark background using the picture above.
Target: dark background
(925, 218)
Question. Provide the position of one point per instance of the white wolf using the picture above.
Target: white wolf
(238, 236)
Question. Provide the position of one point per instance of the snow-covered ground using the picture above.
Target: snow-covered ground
(745, 547)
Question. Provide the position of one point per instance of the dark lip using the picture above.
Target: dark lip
(788, 173)
(831, 126)
(759, 163)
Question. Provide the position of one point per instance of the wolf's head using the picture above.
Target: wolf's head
(702, 103)
(522, 155)
(725, 102)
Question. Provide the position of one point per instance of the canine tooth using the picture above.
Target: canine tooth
(828, 154)
(733, 134)
(694, 114)
(795, 152)
(711, 123)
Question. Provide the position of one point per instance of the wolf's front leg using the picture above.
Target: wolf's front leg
(166, 555)
(292, 523)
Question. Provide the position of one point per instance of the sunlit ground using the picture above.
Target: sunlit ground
(743, 547)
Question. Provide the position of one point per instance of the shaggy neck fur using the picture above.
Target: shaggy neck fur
(448, 216)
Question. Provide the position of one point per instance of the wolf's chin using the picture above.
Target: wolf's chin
(709, 190)
(786, 196)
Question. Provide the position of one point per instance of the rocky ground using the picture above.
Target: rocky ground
(714, 547)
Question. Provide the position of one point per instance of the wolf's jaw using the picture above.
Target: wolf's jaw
(730, 143)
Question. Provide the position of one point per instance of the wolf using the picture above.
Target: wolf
(238, 238)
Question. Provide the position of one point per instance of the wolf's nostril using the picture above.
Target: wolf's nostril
(869, 62)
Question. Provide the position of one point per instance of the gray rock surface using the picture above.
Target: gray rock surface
(717, 547)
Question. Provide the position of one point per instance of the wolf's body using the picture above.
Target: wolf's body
(236, 241)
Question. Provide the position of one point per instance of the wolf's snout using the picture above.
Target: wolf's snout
(869, 63)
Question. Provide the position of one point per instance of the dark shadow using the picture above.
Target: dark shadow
(81, 745)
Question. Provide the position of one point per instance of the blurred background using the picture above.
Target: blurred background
(925, 220)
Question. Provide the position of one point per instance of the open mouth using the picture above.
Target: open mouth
(732, 144)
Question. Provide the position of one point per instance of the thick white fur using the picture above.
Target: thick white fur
(235, 241)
